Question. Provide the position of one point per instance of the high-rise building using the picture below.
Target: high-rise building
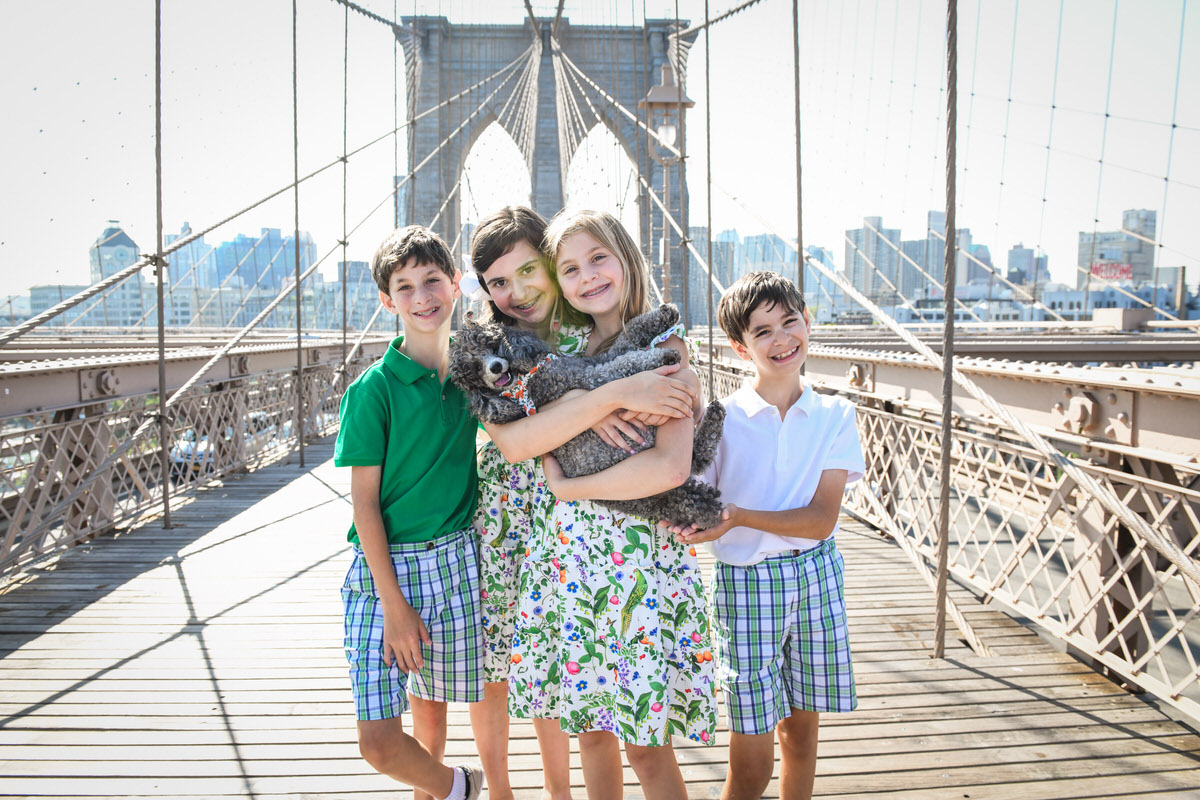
(1124, 255)
(935, 248)
(979, 265)
(46, 296)
(182, 265)
(822, 295)
(766, 251)
(912, 283)
(872, 256)
(724, 250)
(123, 304)
(1020, 264)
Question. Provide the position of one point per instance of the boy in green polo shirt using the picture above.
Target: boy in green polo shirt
(411, 596)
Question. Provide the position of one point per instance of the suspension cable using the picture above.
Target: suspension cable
(1112, 284)
(613, 101)
(350, 6)
(1158, 227)
(1168, 548)
(236, 269)
(895, 290)
(229, 322)
(709, 184)
(164, 425)
(714, 20)
(1112, 51)
(691, 246)
(936, 283)
(183, 241)
(296, 207)
(972, 258)
(177, 396)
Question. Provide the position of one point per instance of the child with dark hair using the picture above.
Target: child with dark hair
(779, 616)
(411, 596)
(514, 503)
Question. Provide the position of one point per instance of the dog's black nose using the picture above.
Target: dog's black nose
(495, 367)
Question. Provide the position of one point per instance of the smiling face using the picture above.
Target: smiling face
(520, 286)
(422, 294)
(776, 340)
(591, 276)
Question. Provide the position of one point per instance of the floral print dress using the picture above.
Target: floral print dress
(510, 496)
(611, 631)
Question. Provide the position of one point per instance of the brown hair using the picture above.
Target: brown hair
(414, 243)
(609, 231)
(748, 293)
(496, 236)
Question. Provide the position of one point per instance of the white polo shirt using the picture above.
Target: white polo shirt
(771, 464)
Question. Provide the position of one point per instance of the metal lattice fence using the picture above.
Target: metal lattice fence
(218, 429)
(1023, 534)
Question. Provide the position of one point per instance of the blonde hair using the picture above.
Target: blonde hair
(609, 232)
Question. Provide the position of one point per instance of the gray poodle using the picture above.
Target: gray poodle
(505, 371)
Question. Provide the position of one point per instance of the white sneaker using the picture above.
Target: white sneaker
(473, 774)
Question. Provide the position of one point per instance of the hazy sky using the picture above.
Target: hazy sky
(79, 135)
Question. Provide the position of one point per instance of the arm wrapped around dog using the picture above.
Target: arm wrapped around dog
(508, 373)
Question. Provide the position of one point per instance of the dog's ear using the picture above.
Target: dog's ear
(526, 349)
(495, 409)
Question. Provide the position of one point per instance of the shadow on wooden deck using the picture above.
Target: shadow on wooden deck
(205, 662)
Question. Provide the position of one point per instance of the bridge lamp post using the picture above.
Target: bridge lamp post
(665, 104)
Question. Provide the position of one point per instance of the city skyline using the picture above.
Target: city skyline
(229, 283)
(871, 146)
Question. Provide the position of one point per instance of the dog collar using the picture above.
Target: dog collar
(517, 392)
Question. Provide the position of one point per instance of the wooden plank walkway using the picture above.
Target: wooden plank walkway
(205, 662)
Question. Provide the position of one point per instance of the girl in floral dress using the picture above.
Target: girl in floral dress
(612, 630)
(511, 269)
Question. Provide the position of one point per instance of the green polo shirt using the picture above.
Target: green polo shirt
(398, 415)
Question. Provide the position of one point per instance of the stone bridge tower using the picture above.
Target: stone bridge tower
(443, 59)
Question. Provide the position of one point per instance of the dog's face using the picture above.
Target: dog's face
(486, 358)
(478, 359)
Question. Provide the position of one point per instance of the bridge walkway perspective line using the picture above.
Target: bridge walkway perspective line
(205, 661)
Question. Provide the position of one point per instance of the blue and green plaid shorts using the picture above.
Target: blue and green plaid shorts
(781, 637)
(440, 579)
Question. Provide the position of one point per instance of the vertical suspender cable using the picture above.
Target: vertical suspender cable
(708, 190)
(411, 93)
(644, 140)
(1012, 63)
(296, 244)
(410, 103)
(164, 426)
(799, 204)
(345, 124)
(1158, 228)
(684, 237)
(943, 547)
(1087, 281)
(639, 92)
(1049, 141)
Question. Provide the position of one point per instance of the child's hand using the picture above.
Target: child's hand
(691, 535)
(403, 633)
(656, 392)
(610, 429)
(644, 418)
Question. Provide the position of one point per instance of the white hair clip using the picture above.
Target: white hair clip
(472, 288)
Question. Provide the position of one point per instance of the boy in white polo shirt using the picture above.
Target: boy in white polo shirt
(779, 618)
